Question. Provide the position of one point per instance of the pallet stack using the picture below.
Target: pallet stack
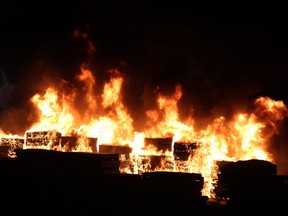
(251, 184)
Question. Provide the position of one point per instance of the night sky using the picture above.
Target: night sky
(224, 56)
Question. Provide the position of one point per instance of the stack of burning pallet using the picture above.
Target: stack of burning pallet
(41, 152)
(182, 150)
(54, 139)
(70, 143)
(36, 139)
(158, 156)
(123, 152)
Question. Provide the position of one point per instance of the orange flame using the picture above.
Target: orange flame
(116, 126)
(165, 121)
(245, 136)
(54, 114)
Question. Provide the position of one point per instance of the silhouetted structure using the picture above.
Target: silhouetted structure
(40, 180)
(251, 186)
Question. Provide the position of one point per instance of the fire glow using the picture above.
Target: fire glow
(245, 136)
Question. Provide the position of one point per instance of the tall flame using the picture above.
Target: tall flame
(115, 127)
(165, 121)
(105, 117)
(54, 112)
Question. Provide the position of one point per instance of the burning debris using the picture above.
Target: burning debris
(80, 131)
(9, 145)
(123, 151)
(167, 142)
(183, 150)
(38, 139)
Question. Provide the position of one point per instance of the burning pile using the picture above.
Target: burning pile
(167, 144)
(8, 145)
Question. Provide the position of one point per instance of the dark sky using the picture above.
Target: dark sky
(222, 55)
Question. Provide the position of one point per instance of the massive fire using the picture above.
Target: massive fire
(106, 119)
